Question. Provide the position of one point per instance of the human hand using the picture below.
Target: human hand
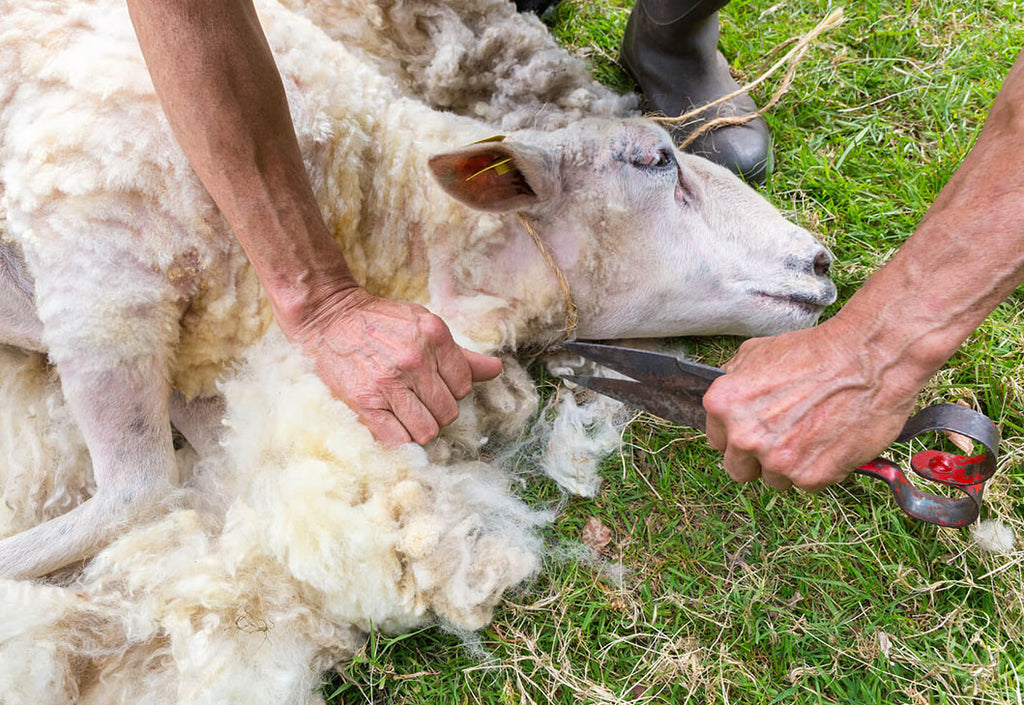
(395, 364)
(807, 408)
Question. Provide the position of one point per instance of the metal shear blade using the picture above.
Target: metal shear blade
(680, 408)
(661, 384)
(673, 389)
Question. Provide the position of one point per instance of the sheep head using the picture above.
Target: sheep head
(652, 242)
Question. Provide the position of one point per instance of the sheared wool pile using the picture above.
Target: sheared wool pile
(272, 563)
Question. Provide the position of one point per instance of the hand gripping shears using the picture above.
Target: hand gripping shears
(673, 389)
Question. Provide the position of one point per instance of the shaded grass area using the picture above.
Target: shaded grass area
(738, 594)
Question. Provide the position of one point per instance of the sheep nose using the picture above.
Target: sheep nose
(821, 263)
(813, 261)
(807, 257)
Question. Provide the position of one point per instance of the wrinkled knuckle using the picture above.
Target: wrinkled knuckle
(381, 424)
(375, 418)
(783, 460)
(386, 383)
(365, 402)
(425, 432)
(772, 467)
(448, 415)
(714, 403)
(411, 359)
(724, 401)
(433, 328)
(807, 479)
(745, 442)
(808, 485)
(750, 344)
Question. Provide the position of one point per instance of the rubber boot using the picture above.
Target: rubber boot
(538, 7)
(670, 48)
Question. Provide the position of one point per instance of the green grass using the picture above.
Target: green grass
(738, 594)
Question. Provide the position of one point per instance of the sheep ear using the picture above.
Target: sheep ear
(495, 176)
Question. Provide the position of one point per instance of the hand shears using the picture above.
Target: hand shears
(673, 389)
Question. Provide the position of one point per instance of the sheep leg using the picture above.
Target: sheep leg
(123, 416)
(111, 349)
(198, 420)
(19, 324)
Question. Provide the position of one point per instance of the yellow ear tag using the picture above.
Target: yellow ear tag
(492, 138)
(501, 167)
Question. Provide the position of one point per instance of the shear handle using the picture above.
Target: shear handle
(966, 473)
(952, 512)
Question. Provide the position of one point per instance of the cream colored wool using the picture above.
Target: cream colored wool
(37, 430)
(993, 535)
(317, 535)
(579, 428)
(582, 435)
(473, 57)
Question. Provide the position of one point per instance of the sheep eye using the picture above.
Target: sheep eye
(663, 158)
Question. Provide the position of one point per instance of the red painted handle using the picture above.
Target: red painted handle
(966, 473)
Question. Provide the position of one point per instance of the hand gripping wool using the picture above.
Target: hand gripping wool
(261, 554)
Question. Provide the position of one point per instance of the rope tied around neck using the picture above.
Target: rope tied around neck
(571, 313)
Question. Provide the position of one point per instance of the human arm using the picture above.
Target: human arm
(808, 407)
(394, 363)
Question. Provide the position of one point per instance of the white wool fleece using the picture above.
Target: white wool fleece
(37, 430)
(319, 536)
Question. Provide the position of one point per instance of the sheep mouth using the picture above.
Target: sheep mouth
(805, 302)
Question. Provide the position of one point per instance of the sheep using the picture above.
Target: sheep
(267, 549)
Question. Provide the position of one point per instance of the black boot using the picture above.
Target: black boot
(538, 7)
(671, 50)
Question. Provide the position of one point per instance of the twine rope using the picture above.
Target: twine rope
(571, 313)
(792, 57)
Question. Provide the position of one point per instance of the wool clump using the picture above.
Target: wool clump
(993, 535)
(318, 536)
